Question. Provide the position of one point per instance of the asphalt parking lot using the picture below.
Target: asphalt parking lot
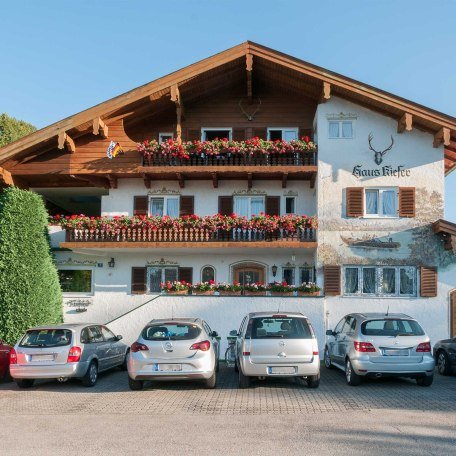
(272, 417)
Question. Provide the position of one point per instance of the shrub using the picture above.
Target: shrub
(30, 292)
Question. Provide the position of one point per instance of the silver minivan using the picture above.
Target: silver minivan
(377, 345)
(277, 345)
(66, 351)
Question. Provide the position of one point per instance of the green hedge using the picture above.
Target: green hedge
(30, 292)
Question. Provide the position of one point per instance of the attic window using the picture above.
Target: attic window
(209, 134)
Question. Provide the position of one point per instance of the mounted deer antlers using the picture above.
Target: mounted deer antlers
(379, 154)
(250, 116)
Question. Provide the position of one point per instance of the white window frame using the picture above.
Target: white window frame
(69, 294)
(160, 136)
(285, 205)
(165, 203)
(379, 280)
(208, 266)
(380, 202)
(204, 129)
(340, 122)
(176, 268)
(249, 216)
(282, 129)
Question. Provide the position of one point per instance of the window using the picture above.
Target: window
(208, 274)
(279, 327)
(306, 274)
(164, 205)
(209, 134)
(286, 134)
(391, 327)
(247, 206)
(290, 205)
(340, 129)
(46, 338)
(75, 280)
(380, 280)
(157, 276)
(171, 331)
(91, 335)
(288, 275)
(162, 137)
(380, 202)
(107, 334)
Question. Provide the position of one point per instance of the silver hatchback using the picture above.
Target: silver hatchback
(174, 349)
(277, 345)
(377, 345)
(66, 351)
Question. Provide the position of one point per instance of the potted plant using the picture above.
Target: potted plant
(308, 289)
(228, 289)
(281, 289)
(176, 287)
(255, 289)
(204, 288)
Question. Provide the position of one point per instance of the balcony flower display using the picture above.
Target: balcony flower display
(229, 289)
(309, 288)
(175, 287)
(281, 289)
(204, 288)
(255, 289)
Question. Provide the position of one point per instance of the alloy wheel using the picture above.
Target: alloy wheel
(93, 373)
(327, 359)
(348, 371)
(441, 363)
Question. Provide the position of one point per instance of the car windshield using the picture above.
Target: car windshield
(391, 327)
(282, 327)
(171, 331)
(46, 338)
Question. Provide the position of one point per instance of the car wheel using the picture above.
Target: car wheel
(425, 381)
(124, 365)
(327, 359)
(313, 381)
(244, 381)
(91, 376)
(135, 385)
(210, 382)
(236, 367)
(443, 363)
(7, 376)
(25, 383)
(353, 379)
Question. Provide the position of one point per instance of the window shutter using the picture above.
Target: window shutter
(273, 205)
(355, 201)
(138, 280)
(406, 201)
(225, 205)
(185, 274)
(259, 132)
(238, 134)
(187, 205)
(305, 132)
(193, 135)
(332, 280)
(140, 205)
(428, 282)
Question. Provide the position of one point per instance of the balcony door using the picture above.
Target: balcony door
(248, 273)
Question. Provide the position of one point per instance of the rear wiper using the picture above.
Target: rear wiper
(403, 334)
(273, 335)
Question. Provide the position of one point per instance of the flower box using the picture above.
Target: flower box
(203, 293)
(177, 292)
(282, 293)
(230, 293)
(308, 293)
(254, 293)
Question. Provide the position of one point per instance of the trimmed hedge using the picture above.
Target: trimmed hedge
(30, 292)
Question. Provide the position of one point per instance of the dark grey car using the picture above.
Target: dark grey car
(445, 356)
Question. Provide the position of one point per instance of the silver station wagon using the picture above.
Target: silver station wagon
(377, 345)
(174, 349)
(277, 345)
(66, 351)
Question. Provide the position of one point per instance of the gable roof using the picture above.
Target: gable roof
(289, 69)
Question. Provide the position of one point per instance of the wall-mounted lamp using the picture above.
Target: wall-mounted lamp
(111, 263)
(293, 257)
(274, 270)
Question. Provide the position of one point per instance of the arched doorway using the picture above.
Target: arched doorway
(249, 272)
(453, 313)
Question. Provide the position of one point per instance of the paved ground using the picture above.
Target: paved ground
(273, 417)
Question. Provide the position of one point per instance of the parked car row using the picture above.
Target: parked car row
(267, 344)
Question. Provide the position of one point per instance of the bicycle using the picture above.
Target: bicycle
(230, 353)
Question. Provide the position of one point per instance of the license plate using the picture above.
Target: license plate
(395, 352)
(167, 367)
(282, 370)
(42, 357)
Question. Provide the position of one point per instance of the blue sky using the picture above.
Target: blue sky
(60, 57)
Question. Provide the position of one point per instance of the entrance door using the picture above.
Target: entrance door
(248, 273)
(453, 313)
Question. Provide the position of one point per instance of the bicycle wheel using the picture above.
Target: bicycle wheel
(230, 358)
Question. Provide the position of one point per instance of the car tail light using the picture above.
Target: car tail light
(279, 316)
(364, 347)
(316, 353)
(204, 345)
(13, 356)
(246, 353)
(136, 347)
(74, 355)
(424, 347)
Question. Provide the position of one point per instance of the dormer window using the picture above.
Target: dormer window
(281, 133)
(340, 129)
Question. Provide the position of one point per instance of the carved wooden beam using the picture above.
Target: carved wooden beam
(147, 179)
(98, 125)
(96, 181)
(214, 180)
(249, 68)
(325, 92)
(65, 140)
(180, 112)
(112, 180)
(405, 123)
(284, 180)
(249, 180)
(443, 135)
(181, 180)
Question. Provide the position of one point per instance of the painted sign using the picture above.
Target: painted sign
(384, 171)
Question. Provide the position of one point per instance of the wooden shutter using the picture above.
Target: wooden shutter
(355, 201)
(193, 135)
(260, 132)
(225, 205)
(428, 282)
(406, 201)
(140, 205)
(185, 274)
(332, 280)
(305, 132)
(138, 280)
(272, 205)
(238, 134)
(187, 205)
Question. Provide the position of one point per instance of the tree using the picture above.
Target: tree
(12, 129)
(30, 292)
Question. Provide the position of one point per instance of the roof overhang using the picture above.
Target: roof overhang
(447, 231)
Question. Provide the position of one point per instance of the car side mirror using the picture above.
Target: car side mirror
(214, 334)
(119, 337)
(330, 332)
(233, 333)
